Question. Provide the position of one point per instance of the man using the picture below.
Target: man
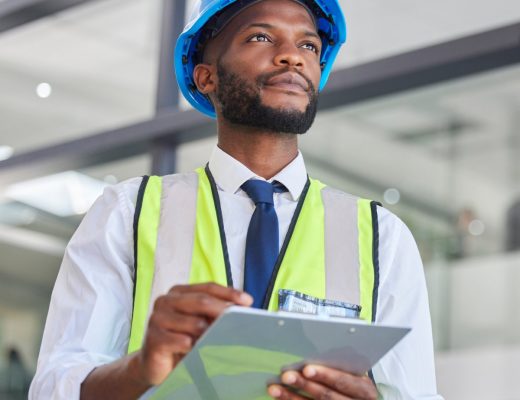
(257, 66)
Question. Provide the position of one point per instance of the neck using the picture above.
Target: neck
(263, 152)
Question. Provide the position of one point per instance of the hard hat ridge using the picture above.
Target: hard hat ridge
(209, 18)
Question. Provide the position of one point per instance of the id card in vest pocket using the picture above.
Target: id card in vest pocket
(293, 301)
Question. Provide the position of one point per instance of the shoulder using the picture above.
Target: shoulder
(389, 223)
(111, 217)
(392, 230)
(127, 192)
(180, 179)
(385, 217)
(400, 263)
(111, 212)
(336, 198)
(123, 192)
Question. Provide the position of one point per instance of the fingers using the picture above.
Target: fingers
(221, 292)
(180, 323)
(283, 393)
(178, 319)
(322, 383)
(189, 309)
(358, 387)
(161, 352)
(208, 300)
(165, 342)
(199, 303)
(315, 390)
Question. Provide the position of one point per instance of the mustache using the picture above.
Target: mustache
(262, 79)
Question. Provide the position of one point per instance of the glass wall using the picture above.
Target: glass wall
(380, 28)
(80, 72)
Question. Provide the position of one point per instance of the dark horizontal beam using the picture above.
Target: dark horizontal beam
(170, 128)
(439, 63)
(435, 64)
(14, 13)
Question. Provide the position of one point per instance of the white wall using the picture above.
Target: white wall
(476, 320)
(481, 374)
(475, 302)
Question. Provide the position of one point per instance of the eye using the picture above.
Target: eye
(311, 47)
(259, 37)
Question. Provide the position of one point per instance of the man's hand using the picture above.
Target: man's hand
(178, 319)
(322, 383)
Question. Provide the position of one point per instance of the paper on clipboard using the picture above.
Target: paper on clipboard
(247, 348)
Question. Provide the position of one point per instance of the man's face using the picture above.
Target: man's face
(268, 67)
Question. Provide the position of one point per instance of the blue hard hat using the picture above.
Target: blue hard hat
(210, 16)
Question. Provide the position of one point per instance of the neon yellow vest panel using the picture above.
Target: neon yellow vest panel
(331, 248)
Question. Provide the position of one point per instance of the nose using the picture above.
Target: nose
(288, 56)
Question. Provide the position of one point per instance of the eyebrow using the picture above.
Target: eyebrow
(269, 26)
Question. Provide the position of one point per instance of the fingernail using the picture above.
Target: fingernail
(288, 378)
(274, 391)
(245, 298)
(309, 372)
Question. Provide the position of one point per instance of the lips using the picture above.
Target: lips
(289, 81)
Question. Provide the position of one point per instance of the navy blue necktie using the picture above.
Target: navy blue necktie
(262, 239)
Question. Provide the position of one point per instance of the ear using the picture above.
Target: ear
(204, 76)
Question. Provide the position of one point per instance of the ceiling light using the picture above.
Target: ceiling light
(64, 194)
(43, 90)
(6, 152)
(110, 179)
(476, 227)
(392, 196)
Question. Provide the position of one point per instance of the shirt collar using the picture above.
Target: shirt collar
(230, 174)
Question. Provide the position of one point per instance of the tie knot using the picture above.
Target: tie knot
(261, 191)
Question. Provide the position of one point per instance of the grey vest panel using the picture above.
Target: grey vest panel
(176, 233)
(341, 246)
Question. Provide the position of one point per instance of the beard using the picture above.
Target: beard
(241, 104)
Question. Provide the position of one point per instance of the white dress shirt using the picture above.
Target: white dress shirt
(90, 311)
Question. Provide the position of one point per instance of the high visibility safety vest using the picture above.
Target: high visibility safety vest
(330, 250)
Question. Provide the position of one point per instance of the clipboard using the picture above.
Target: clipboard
(246, 349)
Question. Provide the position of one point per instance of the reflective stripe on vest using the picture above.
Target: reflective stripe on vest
(337, 231)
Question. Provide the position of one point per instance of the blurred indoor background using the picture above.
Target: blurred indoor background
(422, 113)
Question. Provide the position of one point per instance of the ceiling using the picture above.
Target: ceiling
(444, 147)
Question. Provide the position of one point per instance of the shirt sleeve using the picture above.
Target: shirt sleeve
(408, 370)
(89, 316)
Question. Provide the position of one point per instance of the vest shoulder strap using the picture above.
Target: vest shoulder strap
(371, 252)
(146, 223)
(352, 236)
